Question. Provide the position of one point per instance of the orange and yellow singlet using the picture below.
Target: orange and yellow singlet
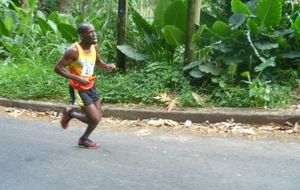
(84, 67)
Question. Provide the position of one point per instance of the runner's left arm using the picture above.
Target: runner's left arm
(101, 64)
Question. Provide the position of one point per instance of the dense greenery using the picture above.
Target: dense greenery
(247, 52)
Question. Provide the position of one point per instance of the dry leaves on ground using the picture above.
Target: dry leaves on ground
(228, 127)
(17, 112)
(169, 100)
(144, 126)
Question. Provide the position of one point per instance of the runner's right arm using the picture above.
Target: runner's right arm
(70, 55)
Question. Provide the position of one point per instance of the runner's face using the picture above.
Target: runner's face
(89, 35)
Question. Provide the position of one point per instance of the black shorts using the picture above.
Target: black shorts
(85, 97)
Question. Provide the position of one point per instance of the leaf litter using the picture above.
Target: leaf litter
(146, 127)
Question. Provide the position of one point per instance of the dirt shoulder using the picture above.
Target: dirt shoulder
(196, 115)
(289, 132)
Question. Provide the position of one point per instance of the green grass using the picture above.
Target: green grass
(26, 81)
(28, 73)
(38, 82)
(139, 86)
(280, 96)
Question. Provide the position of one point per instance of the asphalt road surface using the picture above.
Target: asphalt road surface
(39, 155)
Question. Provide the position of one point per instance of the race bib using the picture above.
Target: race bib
(87, 68)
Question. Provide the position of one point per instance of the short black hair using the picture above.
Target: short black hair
(82, 27)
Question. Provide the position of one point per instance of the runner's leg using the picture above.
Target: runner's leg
(94, 114)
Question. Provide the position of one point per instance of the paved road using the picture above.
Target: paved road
(37, 155)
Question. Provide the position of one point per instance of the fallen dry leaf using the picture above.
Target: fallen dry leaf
(146, 126)
(163, 97)
(143, 132)
(172, 105)
(170, 100)
(199, 99)
(188, 123)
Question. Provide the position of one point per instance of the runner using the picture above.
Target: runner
(81, 59)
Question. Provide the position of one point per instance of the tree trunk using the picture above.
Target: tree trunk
(121, 38)
(194, 7)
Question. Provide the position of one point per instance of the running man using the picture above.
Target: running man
(81, 59)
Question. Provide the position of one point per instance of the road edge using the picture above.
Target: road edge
(213, 115)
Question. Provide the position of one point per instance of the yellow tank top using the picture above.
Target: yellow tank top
(83, 67)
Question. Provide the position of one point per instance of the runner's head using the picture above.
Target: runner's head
(87, 33)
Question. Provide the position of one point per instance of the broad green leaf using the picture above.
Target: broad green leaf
(237, 20)
(269, 12)
(252, 25)
(221, 29)
(33, 4)
(10, 22)
(3, 30)
(42, 22)
(24, 18)
(132, 53)
(68, 32)
(282, 42)
(16, 8)
(196, 36)
(62, 18)
(143, 26)
(173, 35)
(176, 14)
(25, 24)
(45, 27)
(192, 65)
(10, 45)
(279, 33)
(232, 60)
(52, 25)
(296, 28)
(71, 20)
(297, 21)
(209, 68)
(266, 46)
(238, 7)
(54, 16)
(222, 47)
(159, 13)
(41, 15)
(253, 92)
(196, 73)
(157, 66)
(232, 69)
(268, 63)
(245, 74)
(291, 55)
(207, 19)
(252, 3)
(219, 81)
(19, 40)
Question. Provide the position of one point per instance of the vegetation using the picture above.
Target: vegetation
(247, 51)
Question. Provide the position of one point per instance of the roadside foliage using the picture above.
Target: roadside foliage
(239, 44)
(247, 51)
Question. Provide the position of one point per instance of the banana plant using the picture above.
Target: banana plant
(165, 33)
(253, 36)
(18, 25)
(254, 39)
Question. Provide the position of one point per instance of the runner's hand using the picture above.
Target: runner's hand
(83, 81)
(111, 67)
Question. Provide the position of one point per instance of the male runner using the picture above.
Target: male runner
(81, 59)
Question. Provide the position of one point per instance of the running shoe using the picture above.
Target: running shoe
(87, 143)
(66, 117)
